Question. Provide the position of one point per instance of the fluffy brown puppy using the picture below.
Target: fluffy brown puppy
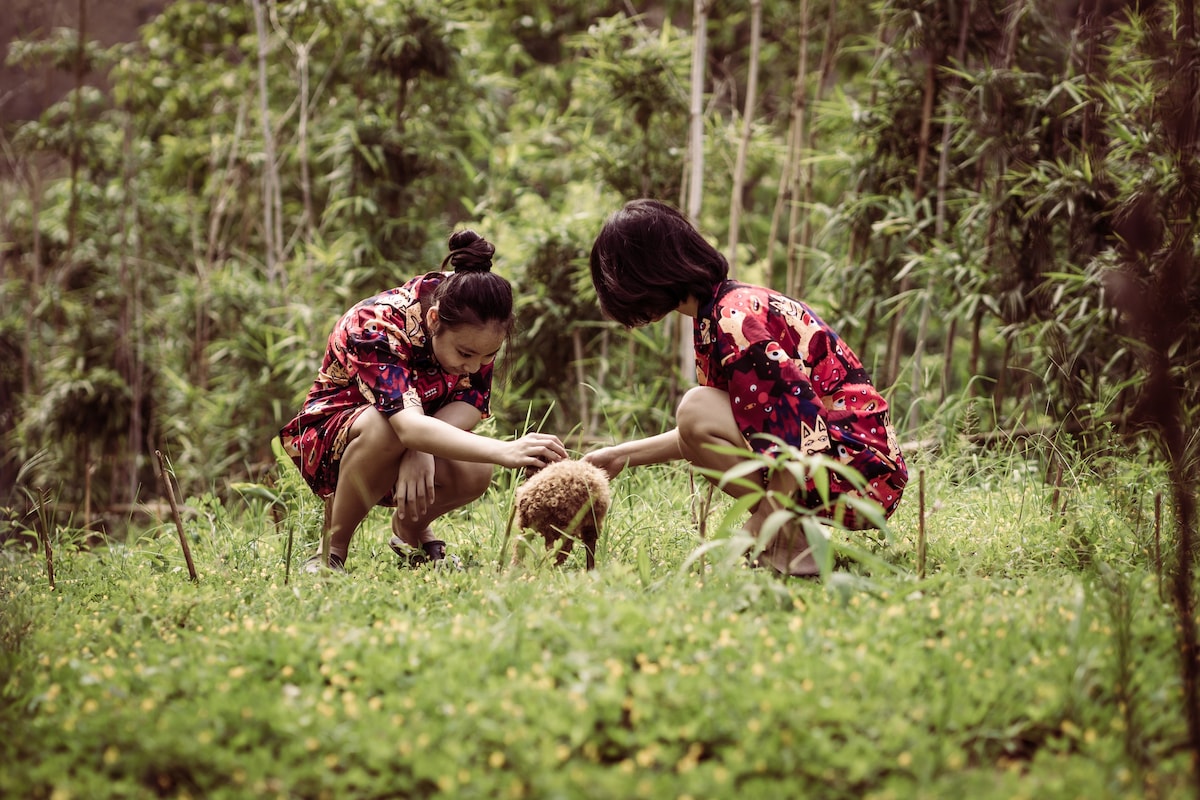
(565, 501)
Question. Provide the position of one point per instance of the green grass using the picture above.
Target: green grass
(1036, 659)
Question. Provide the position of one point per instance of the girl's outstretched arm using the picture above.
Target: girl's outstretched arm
(637, 453)
(442, 438)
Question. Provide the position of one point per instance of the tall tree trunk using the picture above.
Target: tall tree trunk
(310, 220)
(270, 178)
(939, 224)
(207, 254)
(976, 347)
(1000, 392)
(791, 164)
(739, 170)
(303, 51)
(948, 358)
(76, 127)
(795, 254)
(895, 338)
(31, 378)
(1180, 270)
(128, 344)
(808, 178)
(696, 160)
(695, 150)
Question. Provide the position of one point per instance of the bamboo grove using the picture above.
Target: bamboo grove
(996, 201)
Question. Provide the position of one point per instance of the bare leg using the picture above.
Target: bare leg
(366, 474)
(705, 419)
(368, 471)
(455, 483)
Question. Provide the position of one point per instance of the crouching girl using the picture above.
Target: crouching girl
(406, 376)
(765, 364)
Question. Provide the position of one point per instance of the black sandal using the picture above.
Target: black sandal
(314, 565)
(431, 552)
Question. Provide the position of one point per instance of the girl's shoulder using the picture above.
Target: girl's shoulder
(406, 294)
(746, 297)
(751, 297)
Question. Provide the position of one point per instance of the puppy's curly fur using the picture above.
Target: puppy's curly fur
(565, 501)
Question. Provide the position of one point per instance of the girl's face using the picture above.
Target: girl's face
(467, 348)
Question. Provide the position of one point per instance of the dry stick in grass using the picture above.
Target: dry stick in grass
(1061, 508)
(1158, 540)
(921, 525)
(44, 535)
(287, 559)
(277, 516)
(705, 507)
(170, 486)
(1058, 471)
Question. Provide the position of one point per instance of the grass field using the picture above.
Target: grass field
(1036, 659)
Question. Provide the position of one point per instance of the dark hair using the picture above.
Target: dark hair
(473, 295)
(648, 259)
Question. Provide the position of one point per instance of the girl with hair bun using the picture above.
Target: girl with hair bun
(407, 374)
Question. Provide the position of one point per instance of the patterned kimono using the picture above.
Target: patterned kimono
(790, 376)
(379, 354)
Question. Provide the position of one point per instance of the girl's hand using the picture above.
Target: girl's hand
(533, 450)
(607, 459)
(414, 485)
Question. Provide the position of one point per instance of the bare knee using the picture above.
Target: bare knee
(372, 431)
(704, 415)
(468, 480)
(477, 479)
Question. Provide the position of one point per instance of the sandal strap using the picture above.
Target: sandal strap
(435, 549)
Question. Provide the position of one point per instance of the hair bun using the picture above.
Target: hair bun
(469, 252)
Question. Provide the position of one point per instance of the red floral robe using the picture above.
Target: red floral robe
(790, 376)
(379, 354)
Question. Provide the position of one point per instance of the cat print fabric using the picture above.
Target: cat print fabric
(791, 377)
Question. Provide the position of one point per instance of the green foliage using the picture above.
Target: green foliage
(149, 304)
(966, 251)
(1017, 668)
(634, 135)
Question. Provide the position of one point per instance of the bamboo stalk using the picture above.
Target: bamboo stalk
(808, 170)
(792, 156)
(794, 281)
(272, 225)
(696, 110)
(695, 181)
(739, 170)
(948, 358)
(75, 135)
(170, 487)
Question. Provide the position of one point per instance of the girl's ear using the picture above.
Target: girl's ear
(431, 319)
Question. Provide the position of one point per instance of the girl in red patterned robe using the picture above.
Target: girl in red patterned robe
(406, 375)
(768, 368)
